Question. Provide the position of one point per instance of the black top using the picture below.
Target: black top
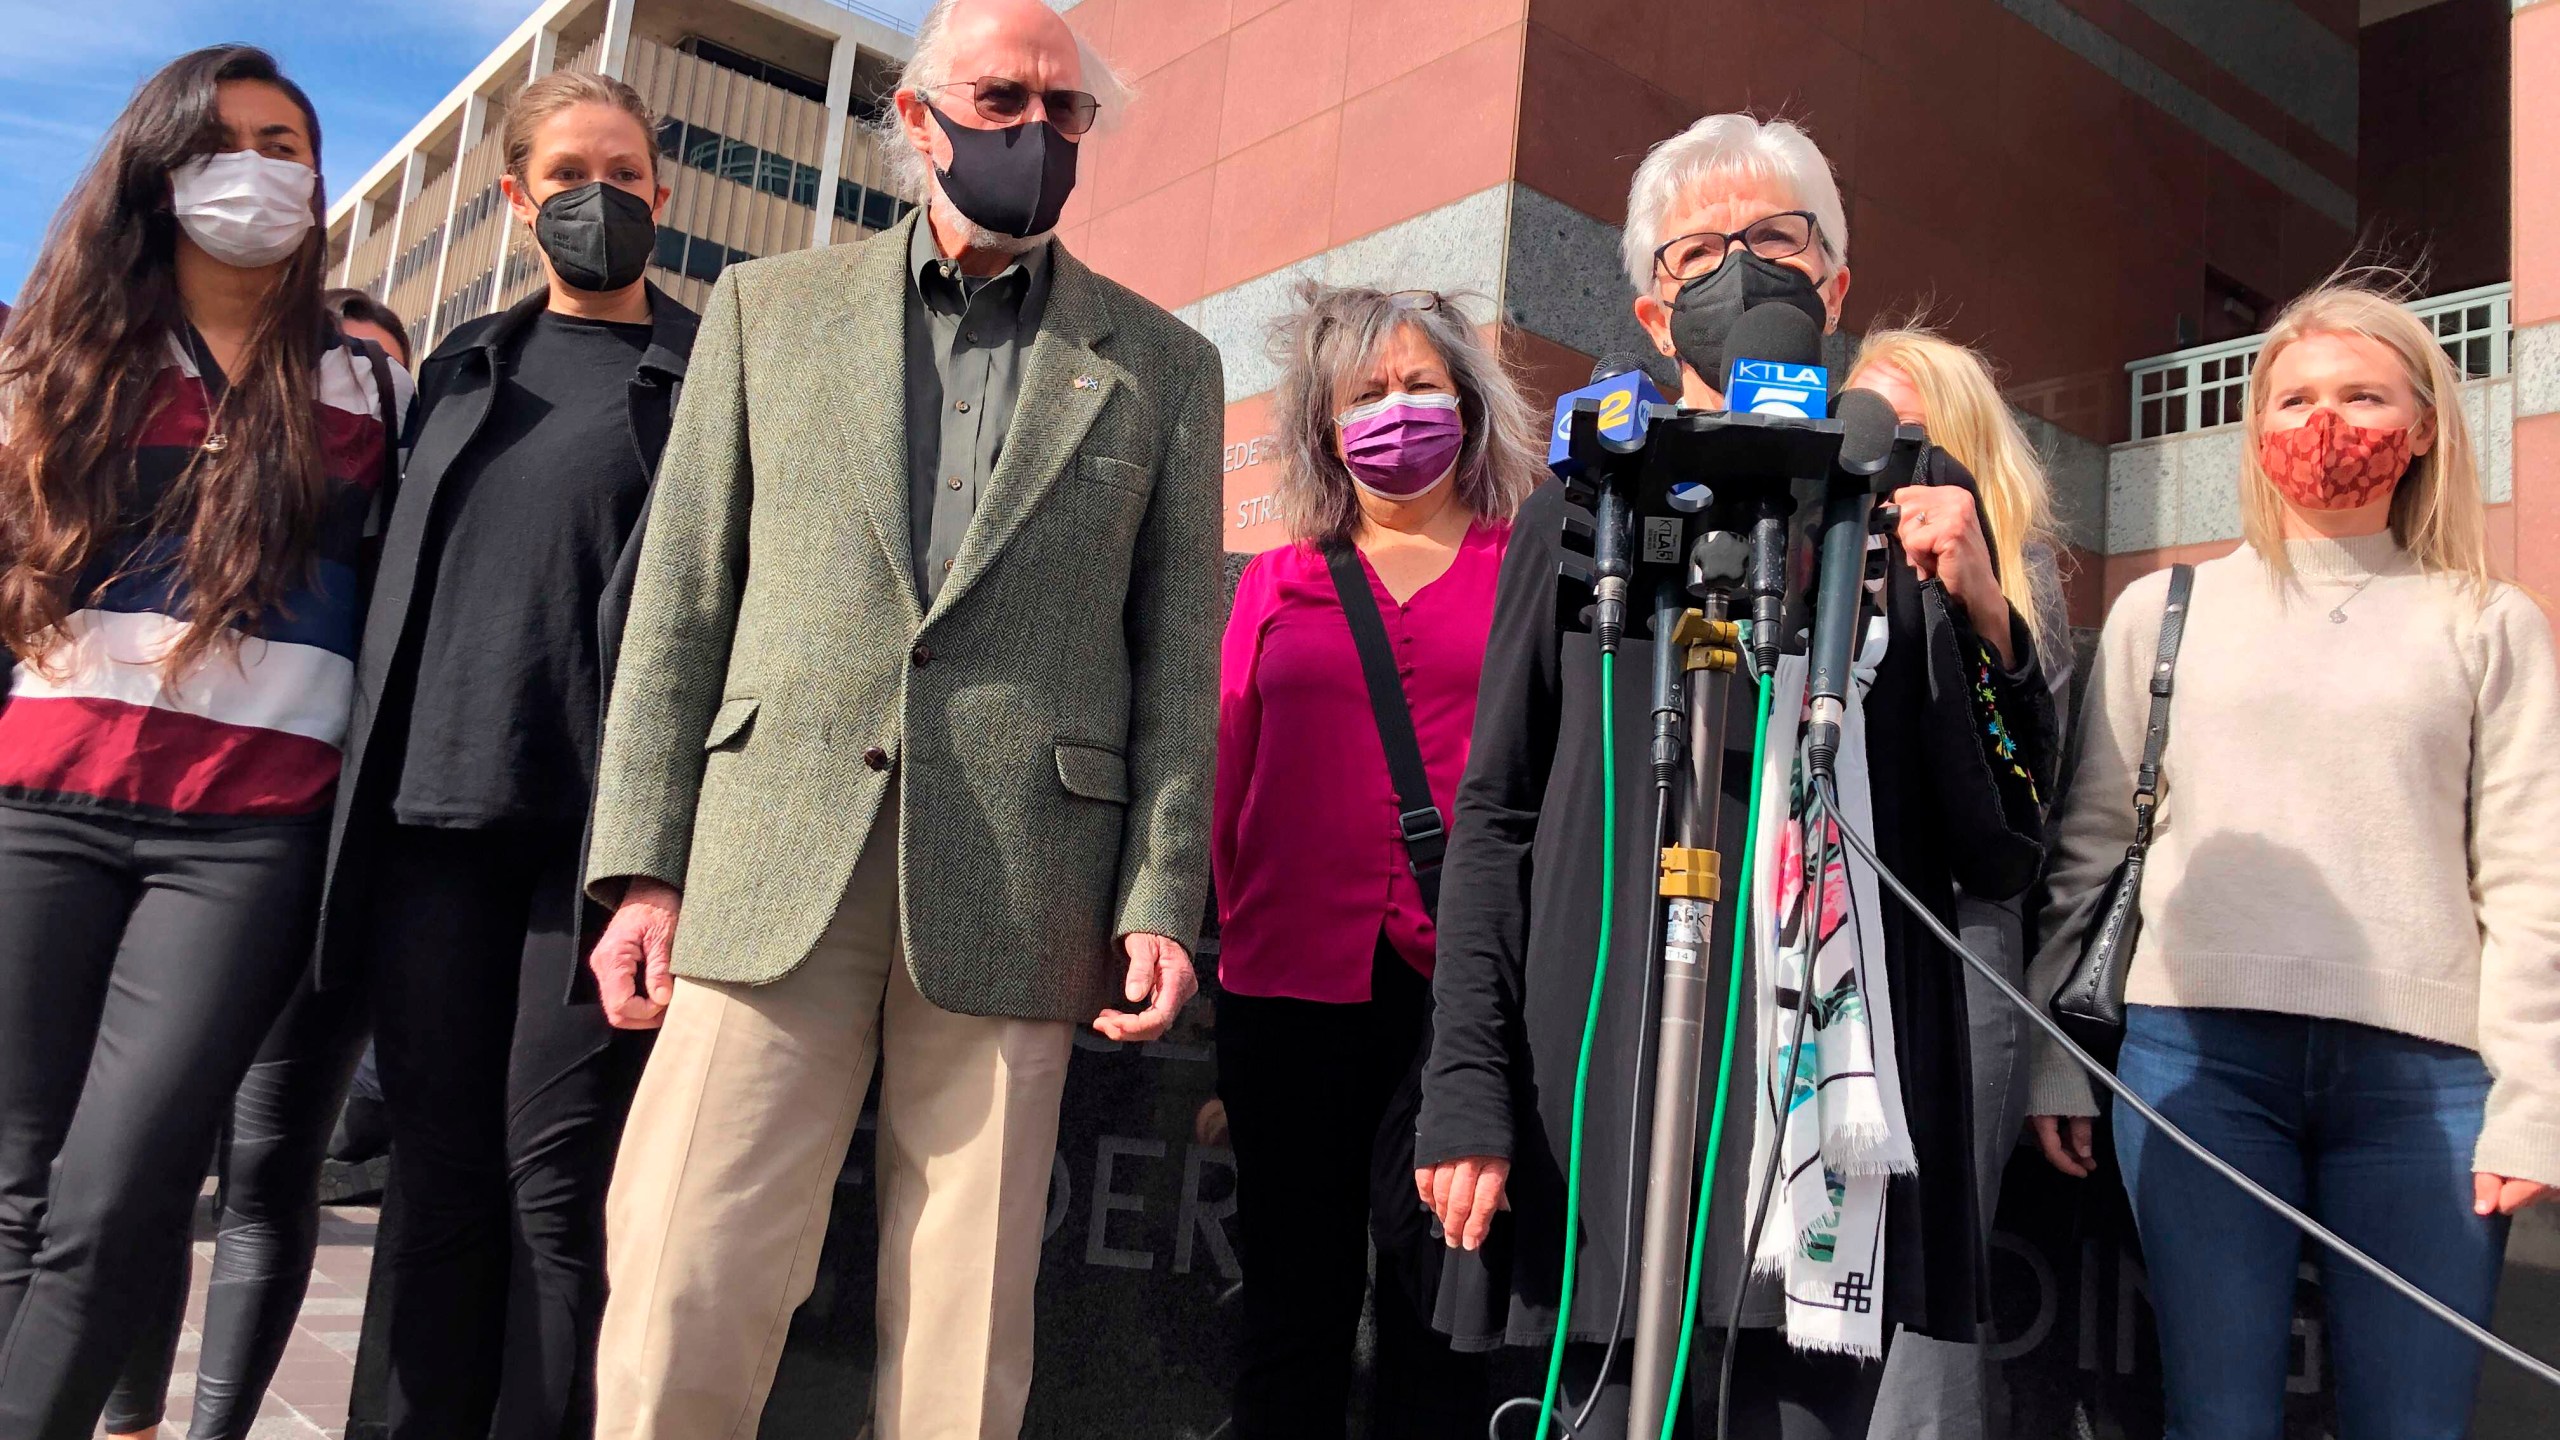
(524, 542)
(968, 344)
(1519, 922)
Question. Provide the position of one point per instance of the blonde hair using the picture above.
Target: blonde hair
(562, 90)
(1968, 419)
(1335, 333)
(2437, 512)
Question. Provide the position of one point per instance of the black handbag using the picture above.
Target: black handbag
(2090, 1004)
(1409, 1250)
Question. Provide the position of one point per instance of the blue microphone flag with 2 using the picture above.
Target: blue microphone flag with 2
(1622, 399)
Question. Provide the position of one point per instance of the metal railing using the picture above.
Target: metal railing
(903, 24)
(2208, 385)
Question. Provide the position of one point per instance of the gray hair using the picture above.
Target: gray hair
(929, 65)
(1331, 336)
(1725, 147)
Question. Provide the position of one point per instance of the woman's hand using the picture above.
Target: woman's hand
(2069, 1143)
(1463, 1195)
(1941, 534)
(2498, 1195)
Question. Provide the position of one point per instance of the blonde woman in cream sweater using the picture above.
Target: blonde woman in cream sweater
(2348, 979)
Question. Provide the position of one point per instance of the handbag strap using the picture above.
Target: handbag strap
(2164, 675)
(1426, 836)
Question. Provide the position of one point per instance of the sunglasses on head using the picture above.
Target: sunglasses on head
(1008, 102)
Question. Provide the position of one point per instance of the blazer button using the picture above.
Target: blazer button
(920, 656)
(876, 758)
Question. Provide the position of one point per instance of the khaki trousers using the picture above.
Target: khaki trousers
(721, 1192)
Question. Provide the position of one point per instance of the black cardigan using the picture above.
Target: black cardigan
(456, 388)
(1518, 926)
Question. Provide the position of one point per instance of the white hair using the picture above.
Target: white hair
(929, 65)
(1729, 147)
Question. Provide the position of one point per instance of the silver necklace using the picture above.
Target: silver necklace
(2338, 612)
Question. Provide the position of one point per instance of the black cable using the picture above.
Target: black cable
(2479, 1334)
(1818, 812)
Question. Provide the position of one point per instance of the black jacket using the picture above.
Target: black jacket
(456, 387)
(1519, 923)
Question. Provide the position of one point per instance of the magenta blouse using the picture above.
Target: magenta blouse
(1310, 864)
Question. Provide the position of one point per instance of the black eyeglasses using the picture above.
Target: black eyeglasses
(1772, 237)
(1007, 102)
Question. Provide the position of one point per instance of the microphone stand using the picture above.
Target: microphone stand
(1696, 651)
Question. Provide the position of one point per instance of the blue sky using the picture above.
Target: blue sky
(373, 67)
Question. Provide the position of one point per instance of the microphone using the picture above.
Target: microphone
(1868, 426)
(1775, 369)
(1622, 390)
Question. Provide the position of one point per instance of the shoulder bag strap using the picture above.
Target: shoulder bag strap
(2164, 674)
(1426, 836)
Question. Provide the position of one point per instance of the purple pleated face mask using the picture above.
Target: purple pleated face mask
(1401, 446)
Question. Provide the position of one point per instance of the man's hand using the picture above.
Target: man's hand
(634, 962)
(1159, 972)
(2498, 1195)
(2069, 1143)
(1941, 534)
(1463, 1195)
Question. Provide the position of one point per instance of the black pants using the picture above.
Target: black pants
(141, 966)
(268, 1206)
(506, 1103)
(1779, 1392)
(1306, 1085)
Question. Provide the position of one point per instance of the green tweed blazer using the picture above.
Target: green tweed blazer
(1049, 724)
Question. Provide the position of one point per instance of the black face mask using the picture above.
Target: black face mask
(599, 236)
(1013, 181)
(1703, 313)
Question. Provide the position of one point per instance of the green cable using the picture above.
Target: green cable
(1724, 1066)
(1590, 1031)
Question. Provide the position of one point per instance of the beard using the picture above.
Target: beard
(975, 236)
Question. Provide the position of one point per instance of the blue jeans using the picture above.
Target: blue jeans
(2369, 1131)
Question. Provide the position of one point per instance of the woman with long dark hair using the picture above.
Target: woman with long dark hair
(191, 455)
(455, 887)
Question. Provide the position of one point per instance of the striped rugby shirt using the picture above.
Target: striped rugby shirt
(250, 734)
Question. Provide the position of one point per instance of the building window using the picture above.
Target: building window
(702, 149)
(670, 254)
(880, 209)
(773, 174)
(671, 138)
(738, 162)
(804, 185)
(711, 52)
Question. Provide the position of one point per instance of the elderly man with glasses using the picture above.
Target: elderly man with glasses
(910, 760)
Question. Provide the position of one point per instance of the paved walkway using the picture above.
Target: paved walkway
(308, 1400)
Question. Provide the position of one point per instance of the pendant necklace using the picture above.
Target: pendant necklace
(2338, 612)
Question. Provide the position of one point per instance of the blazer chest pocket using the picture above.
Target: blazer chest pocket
(1093, 772)
(1118, 474)
(730, 725)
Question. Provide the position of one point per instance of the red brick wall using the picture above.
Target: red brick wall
(2038, 207)
(2431, 144)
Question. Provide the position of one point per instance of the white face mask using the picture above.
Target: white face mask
(244, 208)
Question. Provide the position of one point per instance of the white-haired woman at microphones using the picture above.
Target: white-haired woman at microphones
(2347, 981)
(1731, 214)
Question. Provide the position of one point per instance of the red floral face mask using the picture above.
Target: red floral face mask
(2328, 464)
